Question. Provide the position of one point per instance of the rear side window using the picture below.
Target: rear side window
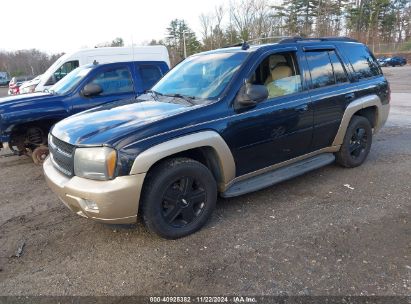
(321, 70)
(362, 61)
(339, 72)
(114, 81)
(150, 74)
(325, 69)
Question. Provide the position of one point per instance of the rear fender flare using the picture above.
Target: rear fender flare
(355, 106)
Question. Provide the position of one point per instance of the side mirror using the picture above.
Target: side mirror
(91, 89)
(250, 94)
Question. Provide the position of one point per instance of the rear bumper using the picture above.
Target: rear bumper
(384, 111)
(116, 200)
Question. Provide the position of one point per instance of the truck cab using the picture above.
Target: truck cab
(25, 120)
(72, 60)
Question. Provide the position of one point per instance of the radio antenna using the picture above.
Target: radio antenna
(132, 46)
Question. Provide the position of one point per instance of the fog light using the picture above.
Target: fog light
(85, 204)
(90, 206)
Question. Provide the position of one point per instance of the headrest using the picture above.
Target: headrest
(281, 71)
(273, 60)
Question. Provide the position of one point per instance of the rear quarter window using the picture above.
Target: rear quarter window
(362, 61)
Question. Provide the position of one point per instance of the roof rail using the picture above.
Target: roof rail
(289, 39)
(257, 39)
(233, 45)
(301, 39)
(271, 37)
(244, 45)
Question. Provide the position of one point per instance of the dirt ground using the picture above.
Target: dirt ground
(333, 231)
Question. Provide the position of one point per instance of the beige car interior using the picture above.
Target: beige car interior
(279, 68)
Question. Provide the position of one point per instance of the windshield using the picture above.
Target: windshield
(202, 76)
(70, 81)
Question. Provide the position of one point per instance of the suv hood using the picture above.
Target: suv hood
(18, 104)
(105, 123)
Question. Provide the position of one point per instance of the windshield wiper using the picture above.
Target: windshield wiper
(154, 93)
(189, 99)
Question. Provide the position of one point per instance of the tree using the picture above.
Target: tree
(212, 31)
(178, 34)
(369, 21)
(117, 42)
(26, 62)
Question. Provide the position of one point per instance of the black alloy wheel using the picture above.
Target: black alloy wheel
(178, 197)
(356, 144)
(183, 201)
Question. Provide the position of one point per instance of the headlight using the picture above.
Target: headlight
(95, 163)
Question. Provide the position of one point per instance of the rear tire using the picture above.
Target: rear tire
(178, 198)
(357, 143)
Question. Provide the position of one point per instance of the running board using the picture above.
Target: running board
(279, 175)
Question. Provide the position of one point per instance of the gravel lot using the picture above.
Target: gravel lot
(308, 236)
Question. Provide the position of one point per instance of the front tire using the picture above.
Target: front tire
(357, 143)
(178, 198)
(40, 154)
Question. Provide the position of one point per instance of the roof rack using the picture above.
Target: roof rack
(301, 39)
(244, 44)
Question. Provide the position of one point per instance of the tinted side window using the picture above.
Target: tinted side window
(114, 81)
(321, 69)
(150, 74)
(363, 63)
(339, 72)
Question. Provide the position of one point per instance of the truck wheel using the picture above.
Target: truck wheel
(40, 154)
(357, 143)
(178, 198)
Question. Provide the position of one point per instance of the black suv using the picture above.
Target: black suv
(228, 122)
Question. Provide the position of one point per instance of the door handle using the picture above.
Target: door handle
(302, 108)
(350, 96)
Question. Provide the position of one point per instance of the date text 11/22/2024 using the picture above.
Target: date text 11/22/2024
(205, 299)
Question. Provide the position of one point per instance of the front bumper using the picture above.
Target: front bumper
(116, 200)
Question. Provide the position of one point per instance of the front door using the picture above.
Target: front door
(116, 83)
(279, 128)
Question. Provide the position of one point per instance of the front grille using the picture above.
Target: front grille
(62, 155)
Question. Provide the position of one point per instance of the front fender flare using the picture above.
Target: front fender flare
(212, 139)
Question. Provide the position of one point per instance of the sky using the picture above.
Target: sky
(55, 26)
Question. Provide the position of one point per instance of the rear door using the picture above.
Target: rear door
(115, 80)
(330, 91)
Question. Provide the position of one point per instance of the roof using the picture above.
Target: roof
(245, 47)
